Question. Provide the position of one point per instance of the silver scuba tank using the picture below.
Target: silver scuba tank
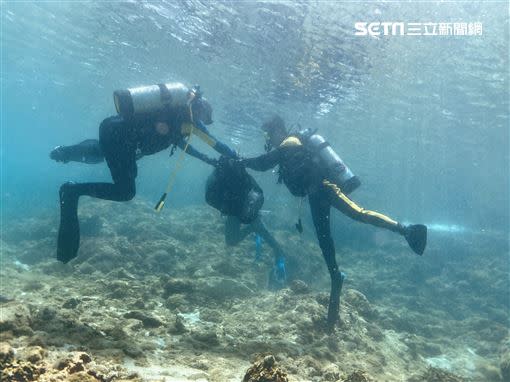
(146, 99)
(336, 170)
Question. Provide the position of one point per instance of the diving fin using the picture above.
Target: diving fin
(69, 229)
(416, 236)
(334, 299)
(87, 151)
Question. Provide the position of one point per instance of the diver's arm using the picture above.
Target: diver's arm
(190, 150)
(263, 162)
(201, 131)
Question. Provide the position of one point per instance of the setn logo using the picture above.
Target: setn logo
(375, 28)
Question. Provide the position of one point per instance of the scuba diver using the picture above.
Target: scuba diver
(236, 194)
(308, 166)
(151, 119)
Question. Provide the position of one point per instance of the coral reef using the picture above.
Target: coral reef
(147, 300)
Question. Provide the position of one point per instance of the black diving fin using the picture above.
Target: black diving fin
(334, 300)
(416, 236)
(69, 229)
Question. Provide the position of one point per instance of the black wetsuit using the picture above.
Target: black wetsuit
(303, 176)
(121, 143)
(232, 191)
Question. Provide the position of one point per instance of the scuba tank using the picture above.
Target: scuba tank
(146, 99)
(336, 170)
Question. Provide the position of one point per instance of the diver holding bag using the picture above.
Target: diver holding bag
(236, 194)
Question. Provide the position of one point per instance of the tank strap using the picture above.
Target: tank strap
(166, 96)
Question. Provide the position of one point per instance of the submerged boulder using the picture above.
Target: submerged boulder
(358, 376)
(436, 375)
(15, 318)
(265, 370)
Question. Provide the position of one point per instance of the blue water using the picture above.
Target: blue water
(422, 120)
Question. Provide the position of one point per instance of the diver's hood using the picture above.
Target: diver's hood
(202, 110)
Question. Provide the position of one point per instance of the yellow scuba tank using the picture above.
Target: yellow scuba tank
(146, 99)
(336, 170)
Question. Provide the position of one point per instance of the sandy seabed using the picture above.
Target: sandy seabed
(160, 297)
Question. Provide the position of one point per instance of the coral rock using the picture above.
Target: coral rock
(177, 286)
(299, 287)
(359, 301)
(358, 376)
(265, 370)
(36, 354)
(147, 321)
(21, 372)
(436, 375)
(6, 354)
(15, 318)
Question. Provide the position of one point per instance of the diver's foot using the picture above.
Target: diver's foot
(416, 236)
(337, 282)
(59, 154)
(68, 240)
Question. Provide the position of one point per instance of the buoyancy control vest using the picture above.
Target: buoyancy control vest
(234, 192)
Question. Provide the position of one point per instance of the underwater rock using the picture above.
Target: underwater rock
(265, 370)
(33, 285)
(436, 375)
(176, 301)
(132, 350)
(359, 301)
(6, 354)
(358, 376)
(81, 376)
(21, 371)
(147, 321)
(331, 373)
(205, 338)
(15, 318)
(35, 354)
(119, 289)
(71, 303)
(177, 286)
(178, 326)
(299, 287)
(4, 299)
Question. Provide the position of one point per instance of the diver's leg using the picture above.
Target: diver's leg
(416, 235)
(121, 159)
(259, 227)
(87, 151)
(234, 233)
(278, 275)
(345, 205)
(68, 240)
(320, 208)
